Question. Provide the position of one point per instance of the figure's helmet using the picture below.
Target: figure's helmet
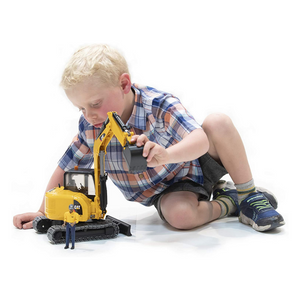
(71, 207)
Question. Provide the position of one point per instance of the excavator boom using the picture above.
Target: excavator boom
(133, 155)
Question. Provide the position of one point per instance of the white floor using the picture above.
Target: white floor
(222, 258)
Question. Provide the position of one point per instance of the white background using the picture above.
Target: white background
(236, 57)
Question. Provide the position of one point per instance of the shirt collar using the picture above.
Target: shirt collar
(138, 118)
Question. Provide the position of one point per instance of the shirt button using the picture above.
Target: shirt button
(141, 176)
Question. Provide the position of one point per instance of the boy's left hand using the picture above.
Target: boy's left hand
(156, 155)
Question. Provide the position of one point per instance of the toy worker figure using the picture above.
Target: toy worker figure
(71, 218)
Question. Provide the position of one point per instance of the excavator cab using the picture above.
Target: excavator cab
(80, 181)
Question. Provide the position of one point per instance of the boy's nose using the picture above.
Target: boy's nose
(91, 115)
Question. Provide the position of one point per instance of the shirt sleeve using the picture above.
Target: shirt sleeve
(78, 153)
(178, 121)
(65, 216)
(76, 218)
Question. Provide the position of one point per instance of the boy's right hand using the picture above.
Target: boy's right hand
(155, 154)
(25, 220)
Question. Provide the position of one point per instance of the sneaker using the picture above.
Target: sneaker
(228, 190)
(256, 211)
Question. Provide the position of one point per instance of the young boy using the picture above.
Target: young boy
(185, 160)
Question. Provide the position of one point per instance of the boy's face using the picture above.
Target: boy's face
(95, 99)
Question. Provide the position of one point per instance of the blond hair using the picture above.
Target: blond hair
(100, 61)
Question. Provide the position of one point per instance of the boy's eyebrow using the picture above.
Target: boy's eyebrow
(100, 99)
(96, 100)
(92, 102)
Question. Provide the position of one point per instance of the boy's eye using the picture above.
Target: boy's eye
(95, 105)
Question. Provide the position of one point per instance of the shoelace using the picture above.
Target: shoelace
(259, 204)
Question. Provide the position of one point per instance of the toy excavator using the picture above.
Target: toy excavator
(86, 190)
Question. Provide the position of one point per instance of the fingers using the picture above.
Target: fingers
(155, 154)
(22, 221)
(25, 220)
(28, 225)
(17, 221)
(149, 151)
(142, 140)
(139, 140)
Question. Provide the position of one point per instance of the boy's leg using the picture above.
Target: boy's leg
(182, 210)
(227, 147)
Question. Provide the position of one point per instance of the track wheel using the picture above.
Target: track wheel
(41, 224)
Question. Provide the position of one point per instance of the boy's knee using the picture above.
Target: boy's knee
(217, 123)
(179, 214)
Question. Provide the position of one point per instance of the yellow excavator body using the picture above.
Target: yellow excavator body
(58, 200)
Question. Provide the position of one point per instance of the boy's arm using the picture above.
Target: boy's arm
(193, 145)
(25, 220)
(79, 147)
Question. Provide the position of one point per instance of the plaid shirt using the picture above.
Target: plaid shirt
(163, 119)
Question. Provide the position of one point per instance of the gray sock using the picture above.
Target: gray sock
(245, 189)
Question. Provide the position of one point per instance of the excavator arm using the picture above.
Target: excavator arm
(113, 126)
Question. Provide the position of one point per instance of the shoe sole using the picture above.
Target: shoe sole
(247, 221)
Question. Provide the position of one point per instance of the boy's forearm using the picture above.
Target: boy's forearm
(191, 147)
(56, 178)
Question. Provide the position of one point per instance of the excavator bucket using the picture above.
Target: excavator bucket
(134, 157)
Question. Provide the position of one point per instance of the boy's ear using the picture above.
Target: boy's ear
(125, 82)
